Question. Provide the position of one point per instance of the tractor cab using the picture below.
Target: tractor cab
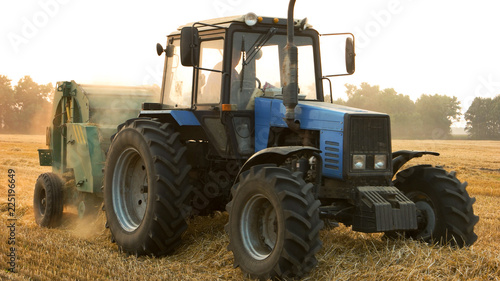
(216, 69)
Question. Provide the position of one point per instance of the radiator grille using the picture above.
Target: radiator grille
(369, 134)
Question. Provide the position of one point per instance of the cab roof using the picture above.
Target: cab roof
(225, 22)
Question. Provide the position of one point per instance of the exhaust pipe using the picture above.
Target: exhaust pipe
(290, 70)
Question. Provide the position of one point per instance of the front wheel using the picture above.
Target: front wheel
(273, 224)
(146, 190)
(444, 208)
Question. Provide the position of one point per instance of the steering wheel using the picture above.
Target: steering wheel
(258, 82)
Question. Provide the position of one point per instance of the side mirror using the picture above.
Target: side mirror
(339, 58)
(169, 50)
(159, 49)
(190, 46)
(350, 55)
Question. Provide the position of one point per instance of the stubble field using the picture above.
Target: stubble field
(82, 250)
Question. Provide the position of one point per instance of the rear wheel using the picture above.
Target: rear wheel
(444, 208)
(48, 200)
(146, 189)
(274, 224)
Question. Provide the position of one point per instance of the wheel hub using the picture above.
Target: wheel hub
(43, 203)
(259, 227)
(426, 219)
(130, 189)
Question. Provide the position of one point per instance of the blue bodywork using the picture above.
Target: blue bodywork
(326, 118)
(184, 117)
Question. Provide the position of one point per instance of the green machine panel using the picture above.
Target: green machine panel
(85, 156)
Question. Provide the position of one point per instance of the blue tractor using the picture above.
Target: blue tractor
(237, 129)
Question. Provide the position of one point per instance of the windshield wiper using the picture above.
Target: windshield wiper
(259, 43)
(247, 57)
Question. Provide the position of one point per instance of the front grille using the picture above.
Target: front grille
(369, 134)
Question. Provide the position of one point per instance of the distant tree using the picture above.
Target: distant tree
(401, 108)
(6, 104)
(32, 104)
(436, 114)
(483, 118)
(364, 97)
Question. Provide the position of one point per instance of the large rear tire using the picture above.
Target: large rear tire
(146, 188)
(444, 208)
(48, 200)
(273, 224)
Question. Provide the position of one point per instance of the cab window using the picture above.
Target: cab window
(178, 81)
(209, 81)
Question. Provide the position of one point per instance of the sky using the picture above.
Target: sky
(414, 46)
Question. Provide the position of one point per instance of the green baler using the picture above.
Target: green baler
(85, 118)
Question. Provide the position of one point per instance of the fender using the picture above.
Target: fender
(399, 158)
(274, 155)
(182, 117)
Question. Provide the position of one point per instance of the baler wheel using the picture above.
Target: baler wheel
(48, 200)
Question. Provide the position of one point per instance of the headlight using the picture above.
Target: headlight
(380, 162)
(358, 162)
(250, 19)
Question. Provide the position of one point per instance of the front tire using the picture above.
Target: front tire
(48, 200)
(273, 224)
(146, 188)
(444, 208)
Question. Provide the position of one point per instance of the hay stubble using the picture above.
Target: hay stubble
(82, 249)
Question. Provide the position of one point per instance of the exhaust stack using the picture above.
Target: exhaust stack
(290, 70)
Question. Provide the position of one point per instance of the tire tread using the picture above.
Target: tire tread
(168, 220)
(301, 219)
(452, 202)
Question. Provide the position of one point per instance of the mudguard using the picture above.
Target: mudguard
(181, 117)
(399, 158)
(274, 155)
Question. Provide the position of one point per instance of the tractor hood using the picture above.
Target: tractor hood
(336, 124)
(312, 115)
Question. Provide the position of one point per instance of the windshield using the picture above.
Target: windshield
(256, 67)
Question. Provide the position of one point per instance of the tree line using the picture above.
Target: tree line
(25, 108)
(430, 116)
(483, 118)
